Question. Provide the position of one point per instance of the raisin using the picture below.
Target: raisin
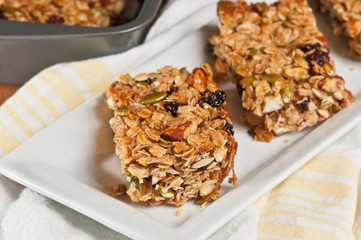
(309, 47)
(320, 57)
(149, 81)
(172, 107)
(55, 19)
(210, 49)
(215, 99)
(172, 90)
(303, 106)
(228, 127)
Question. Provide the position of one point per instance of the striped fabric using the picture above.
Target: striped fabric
(47, 96)
(316, 202)
(319, 201)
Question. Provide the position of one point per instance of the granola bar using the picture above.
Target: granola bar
(172, 134)
(90, 13)
(281, 63)
(345, 16)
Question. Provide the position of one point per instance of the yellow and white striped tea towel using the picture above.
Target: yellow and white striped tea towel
(319, 201)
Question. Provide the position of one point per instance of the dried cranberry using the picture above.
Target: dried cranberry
(172, 107)
(215, 99)
(320, 57)
(210, 49)
(228, 127)
(309, 47)
(55, 19)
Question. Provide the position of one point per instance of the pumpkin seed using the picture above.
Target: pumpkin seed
(139, 84)
(168, 194)
(208, 70)
(122, 111)
(271, 78)
(154, 97)
(252, 51)
(134, 182)
(127, 173)
(162, 112)
(301, 62)
(248, 81)
(202, 200)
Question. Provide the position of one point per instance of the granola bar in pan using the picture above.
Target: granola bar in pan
(281, 63)
(90, 13)
(172, 134)
(345, 16)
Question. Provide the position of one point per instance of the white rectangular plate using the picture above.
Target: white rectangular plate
(72, 159)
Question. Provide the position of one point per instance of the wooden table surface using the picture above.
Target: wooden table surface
(6, 91)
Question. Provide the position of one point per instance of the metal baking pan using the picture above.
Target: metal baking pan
(27, 48)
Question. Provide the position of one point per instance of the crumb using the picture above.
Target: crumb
(179, 212)
(352, 69)
(204, 204)
(287, 140)
(116, 191)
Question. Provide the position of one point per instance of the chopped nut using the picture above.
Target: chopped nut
(177, 134)
(198, 80)
(154, 97)
(272, 103)
(207, 187)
